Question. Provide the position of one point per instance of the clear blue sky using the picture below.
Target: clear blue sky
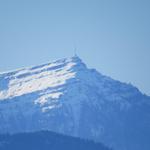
(112, 36)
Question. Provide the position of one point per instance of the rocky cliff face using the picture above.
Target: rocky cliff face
(66, 97)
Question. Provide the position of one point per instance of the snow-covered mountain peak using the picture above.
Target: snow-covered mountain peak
(39, 78)
(66, 97)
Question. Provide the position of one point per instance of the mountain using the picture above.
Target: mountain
(46, 140)
(66, 97)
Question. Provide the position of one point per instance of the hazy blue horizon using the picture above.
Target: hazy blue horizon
(111, 36)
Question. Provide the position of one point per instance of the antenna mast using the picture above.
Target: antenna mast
(75, 51)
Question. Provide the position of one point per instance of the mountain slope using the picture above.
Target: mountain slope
(67, 97)
(45, 140)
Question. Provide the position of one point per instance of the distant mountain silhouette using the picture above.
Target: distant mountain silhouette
(46, 140)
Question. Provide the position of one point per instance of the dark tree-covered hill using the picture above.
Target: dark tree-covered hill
(46, 140)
